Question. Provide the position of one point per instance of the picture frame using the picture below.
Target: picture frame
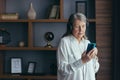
(53, 12)
(16, 65)
(81, 7)
(31, 67)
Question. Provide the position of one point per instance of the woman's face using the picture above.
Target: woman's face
(79, 28)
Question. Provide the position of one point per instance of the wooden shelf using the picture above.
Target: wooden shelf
(28, 48)
(29, 77)
(19, 20)
(92, 20)
(29, 31)
(49, 20)
(42, 20)
(36, 20)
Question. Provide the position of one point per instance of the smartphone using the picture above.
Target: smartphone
(90, 46)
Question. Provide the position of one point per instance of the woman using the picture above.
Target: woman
(72, 61)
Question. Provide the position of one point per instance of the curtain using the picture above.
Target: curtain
(116, 39)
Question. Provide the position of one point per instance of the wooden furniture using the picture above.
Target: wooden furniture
(31, 32)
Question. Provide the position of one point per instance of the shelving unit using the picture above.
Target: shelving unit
(32, 33)
(29, 77)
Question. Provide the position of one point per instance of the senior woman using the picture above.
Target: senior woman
(72, 61)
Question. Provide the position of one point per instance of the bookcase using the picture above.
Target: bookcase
(32, 32)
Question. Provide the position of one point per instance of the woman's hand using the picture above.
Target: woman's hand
(88, 56)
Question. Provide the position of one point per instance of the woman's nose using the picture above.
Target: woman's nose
(80, 28)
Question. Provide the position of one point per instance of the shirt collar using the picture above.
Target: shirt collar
(75, 40)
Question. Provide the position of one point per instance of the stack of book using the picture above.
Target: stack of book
(9, 16)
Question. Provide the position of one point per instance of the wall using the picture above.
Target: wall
(104, 38)
(116, 39)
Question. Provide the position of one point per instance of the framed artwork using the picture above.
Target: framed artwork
(81, 6)
(54, 12)
(31, 67)
(16, 65)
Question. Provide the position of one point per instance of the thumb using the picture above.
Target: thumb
(84, 53)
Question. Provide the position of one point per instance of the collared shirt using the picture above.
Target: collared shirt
(69, 63)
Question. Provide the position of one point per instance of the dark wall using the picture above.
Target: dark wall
(116, 40)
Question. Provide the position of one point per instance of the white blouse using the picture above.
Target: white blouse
(70, 66)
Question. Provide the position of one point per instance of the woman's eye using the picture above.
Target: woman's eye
(76, 26)
(83, 26)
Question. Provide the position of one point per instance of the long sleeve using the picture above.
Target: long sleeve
(96, 65)
(64, 66)
(69, 63)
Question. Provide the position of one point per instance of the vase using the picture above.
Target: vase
(21, 44)
(31, 12)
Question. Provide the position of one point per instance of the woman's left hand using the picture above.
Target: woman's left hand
(93, 53)
(90, 55)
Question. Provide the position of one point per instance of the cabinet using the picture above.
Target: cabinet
(31, 32)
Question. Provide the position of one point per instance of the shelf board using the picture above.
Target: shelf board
(49, 20)
(42, 20)
(29, 77)
(36, 20)
(28, 48)
(92, 20)
(18, 20)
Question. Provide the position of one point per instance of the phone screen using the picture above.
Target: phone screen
(90, 46)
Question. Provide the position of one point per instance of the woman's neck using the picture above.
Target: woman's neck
(78, 38)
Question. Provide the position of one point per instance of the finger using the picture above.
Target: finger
(92, 55)
(84, 53)
(90, 52)
(95, 51)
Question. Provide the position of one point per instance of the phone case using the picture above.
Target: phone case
(90, 46)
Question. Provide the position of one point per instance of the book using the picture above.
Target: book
(53, 12)
(58, 13)
(9, 16)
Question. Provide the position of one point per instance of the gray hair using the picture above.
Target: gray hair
(80, 16)
(72, 18)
